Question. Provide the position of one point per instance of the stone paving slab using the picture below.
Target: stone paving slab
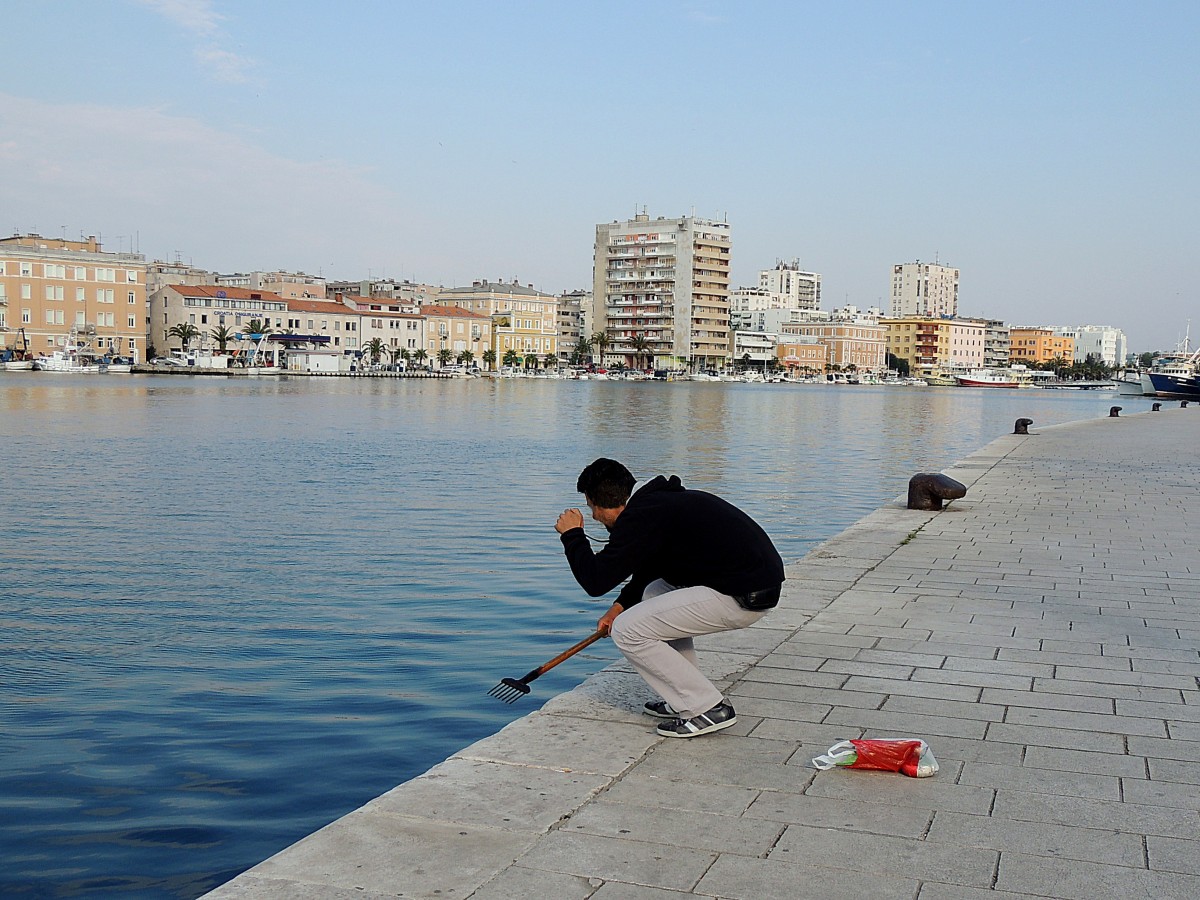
(1043, 634)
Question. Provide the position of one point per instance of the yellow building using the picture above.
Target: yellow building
(1039, 345)
(53, 290)
(455, 329)
(923, 342)
(523, 319)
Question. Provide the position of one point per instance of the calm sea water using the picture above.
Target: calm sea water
(232, 610)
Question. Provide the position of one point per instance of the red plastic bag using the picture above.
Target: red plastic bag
(909, 756)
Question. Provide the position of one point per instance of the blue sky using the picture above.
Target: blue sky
(1046, 149)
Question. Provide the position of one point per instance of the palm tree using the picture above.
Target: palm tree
(256, 326)
(222, 335)
(374, 349)
(512, 358)
(641, 349)
(489, 358)
(531, 361)
(444, 356)
(582, 348)
(601, 343)
(420, 355)
(186, 332)
(466, 358)
(406, 355)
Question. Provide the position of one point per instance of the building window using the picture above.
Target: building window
(26, 292)
(80, 273)
(27, 269)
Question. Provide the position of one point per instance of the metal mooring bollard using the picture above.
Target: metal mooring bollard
(928, 490)
(1022, 426)
(1114, 412)
(1183, 404)
(1155, 407)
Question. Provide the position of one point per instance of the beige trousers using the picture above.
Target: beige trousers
(656, 637)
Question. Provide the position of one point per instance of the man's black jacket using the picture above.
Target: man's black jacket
(684, 537)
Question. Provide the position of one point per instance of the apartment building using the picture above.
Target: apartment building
(396, 323)
(572, 324)
(667, 282)
(53, 290)
(455, 329)
(1101, 342)
(288, 285)
(336, 320)
(406, 292)
(797, 288)
(923, 289)
(523, 319)
(923, 342)
(997, 342)
(1040, 345)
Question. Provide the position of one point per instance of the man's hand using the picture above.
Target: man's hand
(570, 518)
(606, 620)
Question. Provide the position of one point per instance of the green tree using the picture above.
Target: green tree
(222, 335)
(582, 348)
(531, 361)
(489, 358)
(420, 356)
(512, 358)
(374, 349)
(444, 356)
(641, 349)
(186, 332)
(466, 358)
(600, 343)
(1146, 360)
(256, 326)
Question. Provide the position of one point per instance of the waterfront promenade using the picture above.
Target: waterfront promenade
(1041, 634)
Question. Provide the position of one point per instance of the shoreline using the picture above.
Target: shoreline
(496, 819)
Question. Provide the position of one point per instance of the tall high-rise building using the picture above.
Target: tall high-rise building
(661, 291)
(924, 289)
(799, 289)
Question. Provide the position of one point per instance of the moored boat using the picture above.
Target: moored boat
(1000, 378)
(1177, 378)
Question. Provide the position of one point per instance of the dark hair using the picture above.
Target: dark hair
(606, 483)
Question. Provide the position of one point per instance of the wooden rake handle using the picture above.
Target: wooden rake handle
(565, 655)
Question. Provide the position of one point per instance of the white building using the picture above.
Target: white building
(799, 289)
(1102, 342)
(924, 289)
(665, 281)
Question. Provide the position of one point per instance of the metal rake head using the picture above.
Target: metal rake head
(509, 690)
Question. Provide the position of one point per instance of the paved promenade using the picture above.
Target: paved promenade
(1041, 634)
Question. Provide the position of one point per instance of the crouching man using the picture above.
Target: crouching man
(695, 564)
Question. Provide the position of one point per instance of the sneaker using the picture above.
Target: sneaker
(660, 709)
(720, 716)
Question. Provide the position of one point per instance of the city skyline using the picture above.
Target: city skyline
(1042, 150)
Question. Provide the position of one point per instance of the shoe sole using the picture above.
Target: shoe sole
(703, 731)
